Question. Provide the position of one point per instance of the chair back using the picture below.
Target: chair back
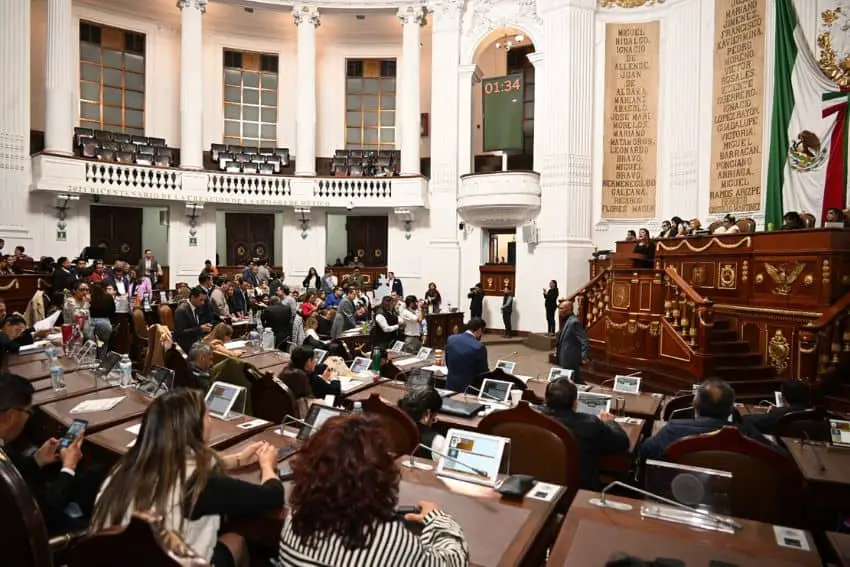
(23, 539)
(808, 220)
(759, 474)
(140, 327)
(271, 399)
(714, 225)
(540, 446)
(678, 404)
(144, 542)
(166, 316)
(746, 225)
(403, 432)
(499, 374)
(156, 353)
(800, 424)
(178, 361)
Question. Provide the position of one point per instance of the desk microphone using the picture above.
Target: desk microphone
(603, 502)
(680, 410)
(808, 441)
(481, 392)
(413, 464)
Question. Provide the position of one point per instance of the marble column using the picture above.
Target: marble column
(61, 72)
(412, 19)
(469, 77)
(191, 83)
(307, 20)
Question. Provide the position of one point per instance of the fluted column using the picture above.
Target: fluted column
(412, 19)
(191, 83)
(61, 74)
(307, 20)
(469, 77)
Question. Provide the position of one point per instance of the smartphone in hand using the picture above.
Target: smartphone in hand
(76, 429)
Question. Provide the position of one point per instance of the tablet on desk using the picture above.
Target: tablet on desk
(316, 417)
(472, 456)
(627, 384)
(424, 352)
(594, 404)
(555, 373)
(319, 355)
(507, 365)
(839, 433)
(106, 365)
(360, 364)
(397, 346)
(220, 399)
(497, 391)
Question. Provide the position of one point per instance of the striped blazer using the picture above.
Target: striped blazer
(441, 544)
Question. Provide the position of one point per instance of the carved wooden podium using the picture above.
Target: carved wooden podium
(440, 326)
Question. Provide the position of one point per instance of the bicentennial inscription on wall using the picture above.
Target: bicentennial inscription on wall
(736, 146)
(630, 153)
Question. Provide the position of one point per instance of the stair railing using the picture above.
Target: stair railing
(592, 298)
(825, 342)
(688, 312)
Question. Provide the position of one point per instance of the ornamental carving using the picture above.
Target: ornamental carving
(782, 277)
(727, 277)
(779, 352)
(306, 14)
(834, 43)
(627, 3)
(412, 15)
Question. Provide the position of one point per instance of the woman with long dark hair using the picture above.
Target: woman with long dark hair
(433, 299)
(171, 471)
(312, 281)
(342, 508)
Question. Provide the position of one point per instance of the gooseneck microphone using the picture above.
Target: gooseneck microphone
(289, 419)
(412, 463)
(808, 441)
(603, 502)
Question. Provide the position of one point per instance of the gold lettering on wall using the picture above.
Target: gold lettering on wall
(631, 121)
(736, 146)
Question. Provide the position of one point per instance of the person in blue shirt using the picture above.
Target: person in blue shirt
(466, 357)
(714, 404)
(333, 299)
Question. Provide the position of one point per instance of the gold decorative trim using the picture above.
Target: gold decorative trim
(627, 3)
(766, 310)
(831, 63)
(14, 283)
(782, 278)
(747, 241)
(778, 351)
(42, 282)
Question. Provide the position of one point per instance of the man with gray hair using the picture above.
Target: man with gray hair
(200, 362)
(572, 348)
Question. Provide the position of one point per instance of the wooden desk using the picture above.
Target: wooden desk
(591, 535)
(392, 392)
(354, 340)
(39, 369)
(266, 359)
(17, 359)
(618, 465)
(644, 405)
(132, 406)
(841, 546)
(836, 461)
(76, 384)
(441, 326)
(270, 435)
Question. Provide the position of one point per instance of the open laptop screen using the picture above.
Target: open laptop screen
(495, 391)
(839, 431)
(221, 397)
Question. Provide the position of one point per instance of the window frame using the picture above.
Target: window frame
(363, 107)
(242, 139)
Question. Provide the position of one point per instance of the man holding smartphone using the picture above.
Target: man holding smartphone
(53, 489)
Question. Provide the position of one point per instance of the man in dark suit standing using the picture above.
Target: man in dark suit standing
(278, 317)
(476, 301)
(714, 403)
(62, 278)
(191, 320)
(344, 318)
(241, 305)
(796, 396)
(572, 349)
(466, 357)
(148, 266)
(596, 436)
(394, 284)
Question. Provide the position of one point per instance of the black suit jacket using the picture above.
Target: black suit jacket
(397, 287)
(594, 438)
(279, 319)
(52, 492)
(765, 422)
(62, 280)
(187, 330)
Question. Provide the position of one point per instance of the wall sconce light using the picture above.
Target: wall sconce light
(193, 215)
(406, 217)
(303, 220)
(63, 203)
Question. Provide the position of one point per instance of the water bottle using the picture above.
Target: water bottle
(254, 338)
(358, 407)
(261, 336)
(50, 353)
(424, 327)
(375, 367)
(268, 338)
(125, 367)
(57, 379)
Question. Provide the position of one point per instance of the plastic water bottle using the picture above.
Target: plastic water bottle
(50, 353)
(254, 338)
(260, 336)
(358, 407)
(125, 367)
(268, 339)
(57, 378)
(424, 327)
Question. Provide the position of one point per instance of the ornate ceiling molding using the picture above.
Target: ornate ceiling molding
(627, 3)
(834, 43)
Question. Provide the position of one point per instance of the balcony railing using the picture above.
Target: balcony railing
(499, 199)
(76, 175)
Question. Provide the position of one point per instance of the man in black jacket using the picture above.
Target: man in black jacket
(476, 301)
(50, 472)
(572, 348)
(278, 317)
(796, 396)
(191, 320)
(596, 436)
(62, 278)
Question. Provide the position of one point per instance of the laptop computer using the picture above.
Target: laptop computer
(460, 408)
(839, 433)
(421, 378)
(495, 391)
(319, 355)
(316, 417)
(220, 399)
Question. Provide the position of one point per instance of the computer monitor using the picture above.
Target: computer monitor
(627, 384)
(507, 365)
(316, 417)
(473, 456)
(220, 399)
(695, 487)
(360, 364)
(594, 404)
(319, 355)
(839, 432)
(497, 391)
(555, 373)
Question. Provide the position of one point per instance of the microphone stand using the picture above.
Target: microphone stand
(289, 419)
(808, 441)
(716, 520)
(412, 463)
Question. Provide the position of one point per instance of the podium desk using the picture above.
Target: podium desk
(133, 405)
(33, 370)
(591, 535)
(441, 326)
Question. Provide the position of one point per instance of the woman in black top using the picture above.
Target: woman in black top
(319, 377)
(171, 471)
(101, 310)
(646, 247)
(312, 281)
(551, 302)
(422, 407)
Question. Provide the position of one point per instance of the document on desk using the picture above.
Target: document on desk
(347, 384)
(234, 345)
(543, 491)
(253, 423)
(438, 370)
(34, 348)
(48, 322)
(791, 538)
(407, 361)
(134, 429)
(92, 406)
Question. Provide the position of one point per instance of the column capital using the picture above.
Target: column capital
(414, 15)
(471, 72)
(303, 14)
(200, 5)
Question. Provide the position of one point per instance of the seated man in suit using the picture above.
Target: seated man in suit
(466, 357)
(714, 403)
(796, 396)
(191, 320)
(595, 436)
(278, 317)
(200, 361)
(50, 473)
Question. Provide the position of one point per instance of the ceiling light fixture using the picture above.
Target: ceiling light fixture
(509, 41)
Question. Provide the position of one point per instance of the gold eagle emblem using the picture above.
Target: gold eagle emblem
(783, 278)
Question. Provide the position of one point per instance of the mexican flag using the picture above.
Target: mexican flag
(807, 168)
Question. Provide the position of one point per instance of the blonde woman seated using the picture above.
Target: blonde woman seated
(172, 472)
(694, 226)
(218, 338)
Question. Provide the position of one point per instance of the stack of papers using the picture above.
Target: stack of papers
(234, 345)
(441, 370)
(48, 323)
(134, 429)
(406, 362)
(91, 406)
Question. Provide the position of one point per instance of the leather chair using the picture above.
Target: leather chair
(499, 374)
(678, 404)
(808, 220)
(178, 361)
(156, 354)
(759, 474)
(799, 424)
(540, 446)
(403, 432)
(140, 334)
(713, 226)
(166, 316)
(271, 400)
(746, 225)
(144, 542)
